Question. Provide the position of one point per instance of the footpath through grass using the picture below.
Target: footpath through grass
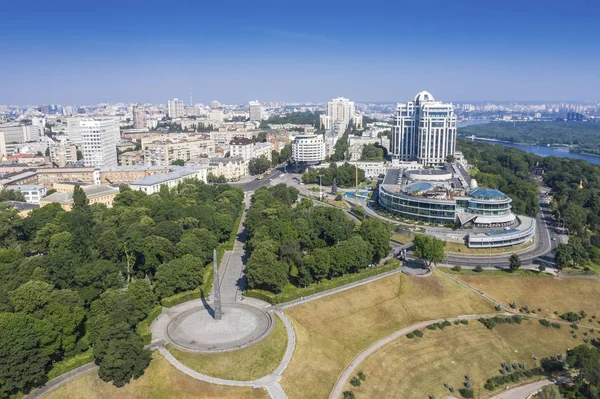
(160, 381)
(332, 330)
(548, 294)
(246, 364)
(418, 367)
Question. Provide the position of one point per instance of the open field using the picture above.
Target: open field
(332, 330)
(457, 247)
(549, 294)
(246, 364)
(161, 381)
(415, 368)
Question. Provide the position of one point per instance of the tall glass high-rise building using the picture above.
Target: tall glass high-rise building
(424, 130)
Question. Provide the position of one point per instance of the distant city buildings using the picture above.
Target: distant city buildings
(255, 111)
(241, 147)
(175, 108)
(163, 150)
(63, 155)
(98, 138)
(139, 117)
(424, 130)
(339, 111)
(308, 148)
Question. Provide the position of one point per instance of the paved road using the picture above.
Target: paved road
(338, 388)
(524, 391)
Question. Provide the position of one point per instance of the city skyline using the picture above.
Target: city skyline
(69, 53)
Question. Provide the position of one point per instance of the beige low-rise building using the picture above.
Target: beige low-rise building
(152, 184)
(96, 194)
(131, 158)
(112, 175)
(62, 155)
(163, 150)
(232, 169)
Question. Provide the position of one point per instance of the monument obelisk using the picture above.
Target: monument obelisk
(216, 290)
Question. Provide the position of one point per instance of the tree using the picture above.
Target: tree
(351, 255)
(179, 275)
(274, 158)
(265, 271)
(562, 256)
(429, 249)
(11, 195)
(93, 278)
(24, 353)
(549, 392)
(178, 162)
(372, 152)
(141, 291)
(514, 262)
(259, 165)
(378, 234)
(450, 158)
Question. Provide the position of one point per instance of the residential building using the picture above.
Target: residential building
(152, 184)
(139, 117)
(175, 108)
(279, 140)
(339, 110)
(23, 208)
(131, 158)
(114, 175)
(99, 138)
(3, 152)
(424, 130)
(163, 150)
(308, 148)
(63, 155)
(223, 138)
(16, 133)
(216, 117)
(255, 111)
(33, 193)
(260, 149)
(241, 147)
(96, 194)
(233, 168)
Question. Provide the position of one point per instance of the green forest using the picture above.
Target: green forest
(584, 135)
(296, 118)
(344, 175)
(83, 279)
(293, 242)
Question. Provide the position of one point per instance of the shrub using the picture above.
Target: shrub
(466, 393)
(338, 197)
(478, 268)
(410, 335)
(349, 395)
(542, 268)
(498, 308)
(457, 268)
(418, 333)
(574, 326)
(446, 323)
(465, 322)
(355, 381)
(432, 326)
(362, 376)
(570, 316)
(544, 322)
(489, 323)
(513, 305)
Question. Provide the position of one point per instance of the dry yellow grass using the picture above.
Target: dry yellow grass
(332, 330)
(549, 294)
(402, 238)
(160, 381)
(246, 364)
(419, 367)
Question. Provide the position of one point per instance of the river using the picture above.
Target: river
(548, 151)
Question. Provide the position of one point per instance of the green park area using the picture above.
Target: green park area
(246, 364)
(160, 381)
(418, 367)
(332, 330)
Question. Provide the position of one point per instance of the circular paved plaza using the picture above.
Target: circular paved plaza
(195, 329)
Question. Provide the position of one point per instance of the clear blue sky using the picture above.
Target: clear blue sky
(84, 52)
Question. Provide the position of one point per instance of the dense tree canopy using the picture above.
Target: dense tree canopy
(69, 280)
(299, 243)
(345, 175)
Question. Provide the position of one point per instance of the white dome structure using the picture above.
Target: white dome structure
(424, 96)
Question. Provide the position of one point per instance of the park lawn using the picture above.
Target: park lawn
(502, 273)
(549, 294)
(402, 238)
(458, 247)
(332, 330)
(160, 381)
(418, 367)
(245, 364)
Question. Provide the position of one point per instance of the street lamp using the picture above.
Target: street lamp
(320, 191)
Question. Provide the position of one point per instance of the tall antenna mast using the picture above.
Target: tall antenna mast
(191, 103)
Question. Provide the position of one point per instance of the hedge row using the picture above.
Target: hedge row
(143, 327)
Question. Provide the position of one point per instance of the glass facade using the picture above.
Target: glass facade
(420, 209)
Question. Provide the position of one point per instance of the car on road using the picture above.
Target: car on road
(554, 238)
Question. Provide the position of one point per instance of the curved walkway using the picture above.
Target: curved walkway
(524, 391)
(269, 382)
(338, 388)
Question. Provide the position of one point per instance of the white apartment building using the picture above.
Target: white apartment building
(15, 133)
(241, 147)
(139, 117)
(260, 149)
(424, 130)
(163, 150)
(98, 138)
(175, 108)
(3, 152)
(216, 117)
(63, 155)
(339, 110)
(255, 111)
(152, 184)
(32, 192)
(308, 148)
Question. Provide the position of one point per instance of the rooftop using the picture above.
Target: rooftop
(165, 177)
(486, 193)
(66, 197)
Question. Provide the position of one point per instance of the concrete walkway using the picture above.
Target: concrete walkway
(523, 392)
(60, 380)
(338, 388)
